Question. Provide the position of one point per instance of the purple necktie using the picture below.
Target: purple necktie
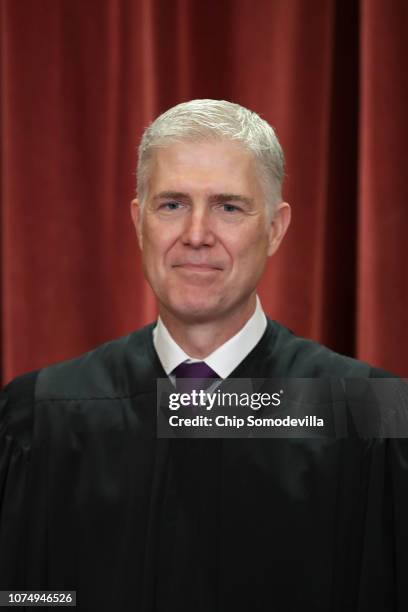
(193, 376)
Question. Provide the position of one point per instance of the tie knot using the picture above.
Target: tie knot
(199, 369)
(197, 374)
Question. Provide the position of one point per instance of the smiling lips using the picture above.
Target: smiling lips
(198, 267)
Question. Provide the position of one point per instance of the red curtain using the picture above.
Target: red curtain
(80, 79)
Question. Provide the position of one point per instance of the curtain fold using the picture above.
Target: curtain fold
(382, 332)
(80, 80)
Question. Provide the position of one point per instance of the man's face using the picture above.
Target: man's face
(204, 231)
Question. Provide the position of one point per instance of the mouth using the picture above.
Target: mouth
(197, 273)
(197, 267)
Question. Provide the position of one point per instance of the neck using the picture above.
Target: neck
(200, 338)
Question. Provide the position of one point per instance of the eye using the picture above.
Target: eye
(230, 208)
(170, 206)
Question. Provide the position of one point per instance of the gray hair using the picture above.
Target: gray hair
(200, 120)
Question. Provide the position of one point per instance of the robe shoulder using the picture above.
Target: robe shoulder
(117, 369)
(120, 368)
(294, 356)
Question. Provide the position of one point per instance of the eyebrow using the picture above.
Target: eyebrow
(230, 197)
(219, 197)
(170, 194)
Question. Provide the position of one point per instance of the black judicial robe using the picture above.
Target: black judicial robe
(92, 501)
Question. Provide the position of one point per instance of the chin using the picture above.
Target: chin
(192, 311)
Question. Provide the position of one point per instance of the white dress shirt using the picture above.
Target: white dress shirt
(225, 358)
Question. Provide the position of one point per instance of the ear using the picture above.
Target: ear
(136, 214)
(279, 226)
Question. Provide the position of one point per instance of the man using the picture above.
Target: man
(93, 501)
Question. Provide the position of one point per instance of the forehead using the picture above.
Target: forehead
(215, 166)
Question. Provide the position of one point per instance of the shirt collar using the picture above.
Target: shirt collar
(225, 358)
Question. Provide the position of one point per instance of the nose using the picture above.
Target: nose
(198, 231)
